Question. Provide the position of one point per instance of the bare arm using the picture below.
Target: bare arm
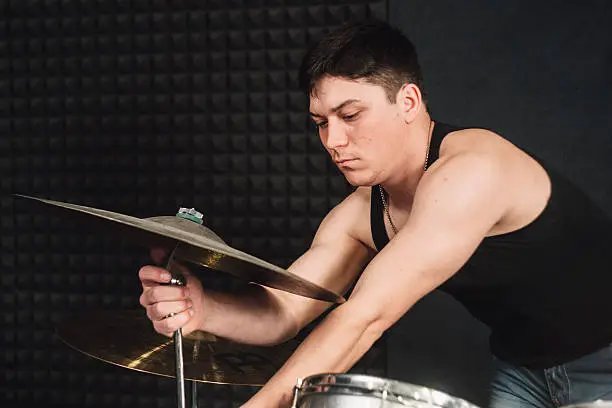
(454, 208)
(260, 315)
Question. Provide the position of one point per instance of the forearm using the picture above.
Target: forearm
(252, 316)
(334, 346)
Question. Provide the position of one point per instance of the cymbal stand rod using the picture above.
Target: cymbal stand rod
(178, 279)
(180, 370)
(194, 394)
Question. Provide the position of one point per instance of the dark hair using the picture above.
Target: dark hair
(370, 50)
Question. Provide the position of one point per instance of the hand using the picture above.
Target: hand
(171, 307)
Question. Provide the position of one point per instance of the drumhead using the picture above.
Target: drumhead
(392, 390)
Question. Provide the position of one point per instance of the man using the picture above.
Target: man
(463, 210)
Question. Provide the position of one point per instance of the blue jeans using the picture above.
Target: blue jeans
(586, 379)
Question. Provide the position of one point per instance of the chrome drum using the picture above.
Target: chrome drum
(364, 391)
(594, 404)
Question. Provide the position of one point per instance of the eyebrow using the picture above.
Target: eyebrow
(337, 108)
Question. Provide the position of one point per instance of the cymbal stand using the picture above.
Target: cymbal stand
(179, 280)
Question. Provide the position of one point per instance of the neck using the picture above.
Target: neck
(402, 184)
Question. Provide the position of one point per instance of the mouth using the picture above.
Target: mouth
(344, 161)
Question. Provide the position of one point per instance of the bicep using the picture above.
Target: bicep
(453, 211)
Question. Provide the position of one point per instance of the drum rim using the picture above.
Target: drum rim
(379, 384)
(592, 404)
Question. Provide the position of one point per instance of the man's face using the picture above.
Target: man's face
(359, 127)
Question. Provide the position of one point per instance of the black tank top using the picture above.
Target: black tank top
(544, 290)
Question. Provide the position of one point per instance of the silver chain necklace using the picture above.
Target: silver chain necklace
(380, 187)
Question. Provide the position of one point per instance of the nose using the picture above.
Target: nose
(334, 136)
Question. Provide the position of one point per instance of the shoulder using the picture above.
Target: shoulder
(482, 142)
(486, 147)
(473, 170)
(355, 201)
(351, 217)
(352, 208)
(489, 173)
(473, 152)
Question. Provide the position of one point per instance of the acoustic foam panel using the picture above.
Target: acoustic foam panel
(141, 107)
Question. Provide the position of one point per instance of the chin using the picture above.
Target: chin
(359, 180)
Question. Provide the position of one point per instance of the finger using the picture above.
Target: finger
(153, 275)
(171, 324)
(158, 294)
(159, 311)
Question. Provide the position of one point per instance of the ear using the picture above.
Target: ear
(410, 101)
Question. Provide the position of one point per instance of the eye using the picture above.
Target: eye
(321, 125)
(353, 116)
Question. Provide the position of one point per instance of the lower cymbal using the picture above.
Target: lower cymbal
(127, 339)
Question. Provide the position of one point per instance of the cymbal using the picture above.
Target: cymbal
(197, 244)
(127, 339)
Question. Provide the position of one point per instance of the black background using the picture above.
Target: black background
(540, 74)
